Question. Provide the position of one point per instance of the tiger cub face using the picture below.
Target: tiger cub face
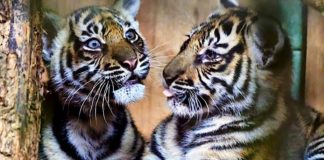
(99, 57)
(225, 62)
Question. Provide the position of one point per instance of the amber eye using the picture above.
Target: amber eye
(93, 44)
(131, 35)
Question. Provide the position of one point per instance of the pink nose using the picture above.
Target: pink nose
(130, 64)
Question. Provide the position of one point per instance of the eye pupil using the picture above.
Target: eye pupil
(209, 54)
(131, 35)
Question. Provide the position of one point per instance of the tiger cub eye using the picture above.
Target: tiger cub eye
(93, 43)
(131, 35)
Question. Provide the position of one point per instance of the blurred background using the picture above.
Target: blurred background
(164, 24)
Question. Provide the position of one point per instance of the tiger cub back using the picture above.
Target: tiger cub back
(98, 61)
(229, 91)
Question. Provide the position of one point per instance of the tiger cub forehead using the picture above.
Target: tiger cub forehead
(95, 20)
(220, 19)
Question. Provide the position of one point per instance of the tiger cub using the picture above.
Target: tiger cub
(98, 63)
(228, 91)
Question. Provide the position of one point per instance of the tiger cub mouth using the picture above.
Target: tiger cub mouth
(172, 95)
(131, 91)
(133, 80)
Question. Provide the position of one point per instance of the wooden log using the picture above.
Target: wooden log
(21, 70)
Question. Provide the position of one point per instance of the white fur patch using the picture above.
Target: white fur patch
(129, 94)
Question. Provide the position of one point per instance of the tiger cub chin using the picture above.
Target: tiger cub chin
(228, 89)
(98, 60)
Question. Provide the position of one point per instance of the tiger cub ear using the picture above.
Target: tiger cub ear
(51, 25)
(222, 6)
(129, 6)
(228, 3)
(266, 39)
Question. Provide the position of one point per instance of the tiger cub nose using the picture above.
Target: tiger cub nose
(130, 64)
(168, 79)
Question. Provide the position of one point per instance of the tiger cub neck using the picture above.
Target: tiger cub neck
(98, 124)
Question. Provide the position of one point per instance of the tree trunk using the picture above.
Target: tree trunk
(21, 70)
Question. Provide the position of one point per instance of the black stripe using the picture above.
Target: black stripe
(221, 45)
(96, 29)
(240, 26)
(144, 64)
(91, 74)
(220, 68)
(214, 16)
(117, 73)
(239, 49)
(89, 28)
(204, 73)
(62, 70)
(227, 128)
(140, 152)
(69, 59)
(237, 145)
(154, 147)
(85, 33)
(227, 27)
(77, 17)
(248, 77)
(76, 74)
(210, 41)
(184, 45)
(217, 35)
(241, 14)
(114, 68)
(227, 4)
(317, 152)
(103, 30)
(114, 142)
(184, 83)
(211, 90)
(136, 138)
(197, 144)
(237, 72)
(228, 88)
(319, 140)
(90, 15)
(60, 133)
(143, 58)
(68, 83)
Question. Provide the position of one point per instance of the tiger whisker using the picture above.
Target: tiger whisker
(192, 105)
(207, 106)
(161, 54)
(100, 96)
(96, 96)
(159, 46)
(108, 101)
(70, 97)
(214, 103)
(102, 103)
(95, 85)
